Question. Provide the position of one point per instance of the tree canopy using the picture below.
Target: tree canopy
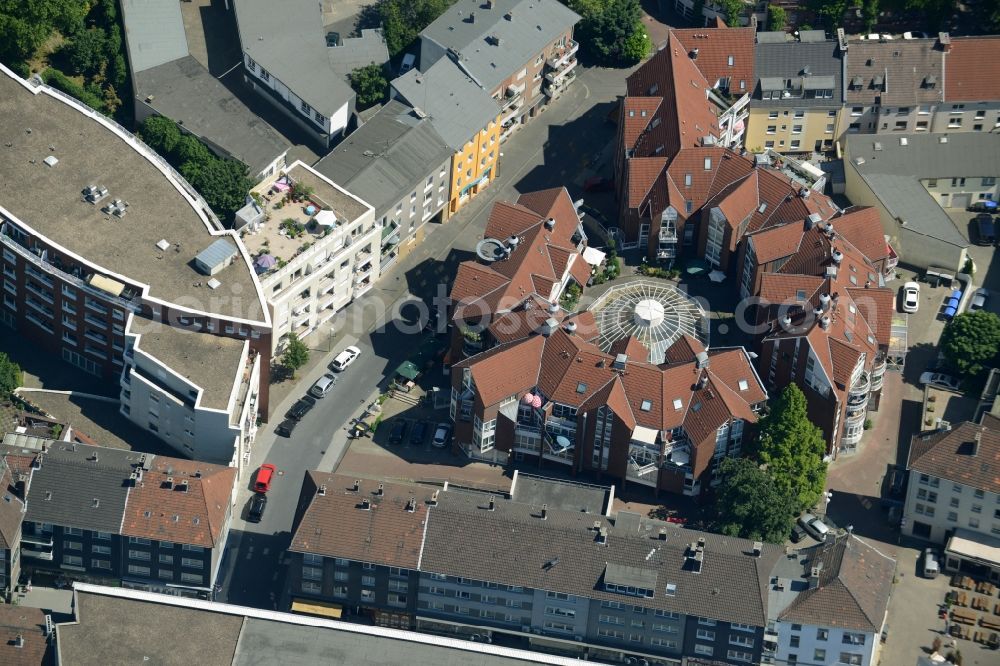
(296, 354)
(11, 376)
(401, 20)
(26, 24)
(611, 31)
(733, 10)
(777, 18)
(970, 341)
(791, 448)
(371, 85)
(750, 504)
(223, 182)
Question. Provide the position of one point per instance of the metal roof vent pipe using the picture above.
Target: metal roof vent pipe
(824, 301)
(786, 322)
(824, 323)
(550, 223)
(837, 257)
(513, 241)
(545, 511)
(570, 327)
(694, 54)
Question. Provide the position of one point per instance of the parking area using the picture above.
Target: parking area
(913, 621)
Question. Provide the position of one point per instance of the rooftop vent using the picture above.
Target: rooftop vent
(621, 360)
(824, 301)
(94, 193)
(701, 360)
(662, 534)
(380, 491)
(51, 161)
(117, 207)
(213, 284)
(837, 257)
(602, 536)
(357, 485)
(570, 327)
(411, 505)
(95, 504)
(491, 249)
(786, 321)
(492, 504)
(366, 504)
(163, 245)
(168, 483)
(804, 192)
(216, 256)
(693, 53)
(824, 322)
(545, 512)
(943, 138)
(550, 223)
(548, 326)
(321, 491)
(758, 548)
(434, 498)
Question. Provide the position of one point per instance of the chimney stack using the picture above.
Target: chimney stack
(701, 360)
(381, 490)
(493, 504)
(411, 505)
(662, 536)
(976, 441)
(758, 548)
(321, 491)
(169, 483)
(545, 511)
(366, 504)
(357, 485)
(602, 536)
(693, 54)
(814, 576)
(550, 223)
(434, 499)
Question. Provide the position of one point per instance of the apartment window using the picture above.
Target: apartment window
(339, 591)
(100, 564)
(73, 560)
(796, 129)
(102, 535)
(341, 576)
(794, 642)
(663, 642)
(706, 650)
(166, 559)
(819, 655)
(974, 523)
(952, 517)
(368, 581)
(97, 549)
(829, 128)
(739, 655)
(306, 109)
(367, 596)
(851, 659)
(142, 555)
(772, 129)
(192, 549)
(989, 181)
(742, 641)
(312, 573)
(136, 570)
(822, 634)
(978, 493)
(197, 579)
(708, 164)
(931, 183)
(706, 635)
(72, 545)
(852, 638)
(773, 115)
(977, 508)
(192, 563)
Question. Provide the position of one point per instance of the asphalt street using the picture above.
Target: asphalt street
(564, 146)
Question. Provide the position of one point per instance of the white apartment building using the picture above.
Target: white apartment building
(953, 496)
(845, 574)
(315, 255)
(198, 392)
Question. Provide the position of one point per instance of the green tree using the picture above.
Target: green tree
(86, 52)
(26, 24)
(161, 134)
(791, 448)
(607, 30)
(11, 376)
(401, 20)
(296, 354)
(60, 81)
(776, 18)
(190, 150)
(869, 10)
(830, 12)
(698, 14)
(370, 84)
(733, 10)
(224, 183)
(637, 46)
(970, 341)
(749, 504)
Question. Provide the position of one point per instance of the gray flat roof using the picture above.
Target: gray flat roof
(894, 170)
(355, 52)
(184, 91)
(288, 40)
(534, 25)
(387, 157)
(456, 105)
(188, 353)
(557, 494)
(113, 625)
(347, 206)
(48, 200)
(154, 32)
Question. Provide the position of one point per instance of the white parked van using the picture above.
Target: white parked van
(931, 565)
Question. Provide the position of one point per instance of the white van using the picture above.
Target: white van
(323, 386)
(814, 526)
(931, 565)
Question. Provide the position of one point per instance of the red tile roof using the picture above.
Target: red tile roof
(29, 623)
(955, 456)
(335, 524)
(717, 47)
(862, 227)
(972, 69)
(777, 242)
(196, 516)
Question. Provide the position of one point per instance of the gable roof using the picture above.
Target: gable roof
(11, 509)
(331, 521)
(154, 33)
(386, 158)
(895, 72)
(165, 512)
(717, 48)
(784, 60)
(972, 69)
(493, 47)
(957, 456)
(851, 591)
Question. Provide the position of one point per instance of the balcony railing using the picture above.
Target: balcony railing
(558, 61)
(860, 388)
(558, 75)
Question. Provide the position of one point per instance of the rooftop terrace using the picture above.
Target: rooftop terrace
(293, 224)
(89, 149)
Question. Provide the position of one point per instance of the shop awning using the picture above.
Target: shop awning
(644, 435)
(408, 370)
(593, 256)
(979, 548)
(319, 608)
(113, 287)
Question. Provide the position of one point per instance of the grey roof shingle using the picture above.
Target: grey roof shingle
(854, 584)
(387, 157)
(776, 62)
(154, 33)
(455, 104)
(184, 91)
(903, 65)
(288, 41)
(533, 25)
(893, 170)
(513, 545)
(80, 486)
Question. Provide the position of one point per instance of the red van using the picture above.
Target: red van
(264, 476)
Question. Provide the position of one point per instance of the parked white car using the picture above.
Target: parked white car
(979, 299)
(940, 379)
(911, 297)
(345, 358)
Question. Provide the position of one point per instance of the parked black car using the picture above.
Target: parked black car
(798, 534)
(257, 505)
(301, 407)
(418, 433)
(286, 427)
(985, 229)
(398, 432)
